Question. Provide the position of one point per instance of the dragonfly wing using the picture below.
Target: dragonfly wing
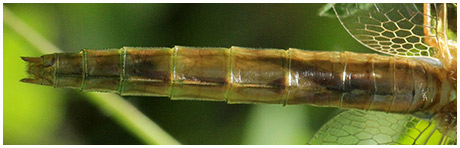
(394, 29)
(368, 127)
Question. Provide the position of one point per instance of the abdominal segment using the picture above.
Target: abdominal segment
(245, 75)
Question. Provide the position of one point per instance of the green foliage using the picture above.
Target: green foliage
(31, 114)
(258, 132)
(122, 111)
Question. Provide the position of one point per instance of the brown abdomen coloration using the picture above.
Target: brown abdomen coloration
(243, 75)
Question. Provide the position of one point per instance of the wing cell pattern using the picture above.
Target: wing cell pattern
(355, 127)
(395, 29)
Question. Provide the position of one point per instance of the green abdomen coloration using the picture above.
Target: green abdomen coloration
(243, 75)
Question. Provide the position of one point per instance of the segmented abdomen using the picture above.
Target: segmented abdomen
(242, 75)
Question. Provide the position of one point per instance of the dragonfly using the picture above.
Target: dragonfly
(408, 97)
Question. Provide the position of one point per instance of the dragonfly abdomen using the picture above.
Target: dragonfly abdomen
(364, 81)
(243, 75)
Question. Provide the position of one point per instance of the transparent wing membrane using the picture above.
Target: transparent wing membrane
(368, 128)
(394, 29)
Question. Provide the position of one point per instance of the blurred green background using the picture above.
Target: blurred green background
(34, 114)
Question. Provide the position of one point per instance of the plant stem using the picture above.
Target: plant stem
(115, 106)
